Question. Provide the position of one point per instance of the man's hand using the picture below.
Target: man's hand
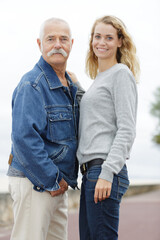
(102, 190)
(63, 187)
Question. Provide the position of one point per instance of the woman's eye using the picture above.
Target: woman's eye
(97, 37)
(109, 38)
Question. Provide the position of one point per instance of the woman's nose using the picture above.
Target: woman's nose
(102, 41)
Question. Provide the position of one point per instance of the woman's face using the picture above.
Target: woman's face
(105, 42)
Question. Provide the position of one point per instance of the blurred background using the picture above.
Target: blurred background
(20, 22)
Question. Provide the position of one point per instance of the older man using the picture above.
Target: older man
(44, 136)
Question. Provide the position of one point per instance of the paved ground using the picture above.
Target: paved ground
(139, 219)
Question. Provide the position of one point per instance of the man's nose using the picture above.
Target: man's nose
(57, 43)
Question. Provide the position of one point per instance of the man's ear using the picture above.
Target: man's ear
(72, 41)
(39, 44)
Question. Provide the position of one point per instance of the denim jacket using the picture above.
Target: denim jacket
(44, 128)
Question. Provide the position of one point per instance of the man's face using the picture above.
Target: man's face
(56, 37)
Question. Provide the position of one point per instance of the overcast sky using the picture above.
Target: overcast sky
(19, 24)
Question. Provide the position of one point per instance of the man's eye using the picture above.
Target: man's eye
(64, 39)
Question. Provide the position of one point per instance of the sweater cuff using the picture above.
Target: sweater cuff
(106, 174)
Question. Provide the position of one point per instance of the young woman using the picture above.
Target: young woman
(107, 127)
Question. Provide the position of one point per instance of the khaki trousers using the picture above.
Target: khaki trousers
(37, 215)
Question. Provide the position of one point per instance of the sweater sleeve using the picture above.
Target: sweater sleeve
(80, 92)
(124, 95)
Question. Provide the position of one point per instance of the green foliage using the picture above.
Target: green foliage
(156, 138)
(155, 111)
(155, 107)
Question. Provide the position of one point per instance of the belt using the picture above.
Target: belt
(86, 166)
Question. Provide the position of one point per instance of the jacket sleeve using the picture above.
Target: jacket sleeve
(29, 121)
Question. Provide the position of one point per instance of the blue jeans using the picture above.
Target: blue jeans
(100, 221)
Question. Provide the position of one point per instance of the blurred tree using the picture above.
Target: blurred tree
(155, 111)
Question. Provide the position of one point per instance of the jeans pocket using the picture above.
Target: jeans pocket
(123, 184)
(93, 173)
(91, 180)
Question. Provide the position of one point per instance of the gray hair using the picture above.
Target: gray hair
(51, 20)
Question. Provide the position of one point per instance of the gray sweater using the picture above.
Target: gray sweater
(108, 120)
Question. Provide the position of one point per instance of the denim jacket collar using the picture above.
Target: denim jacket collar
(50, 74)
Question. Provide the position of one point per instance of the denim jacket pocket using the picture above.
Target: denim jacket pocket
(60, 126)
(59, 155)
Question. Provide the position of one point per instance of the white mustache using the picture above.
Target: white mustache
(61, 51)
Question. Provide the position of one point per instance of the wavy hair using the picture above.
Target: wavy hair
(126, 54)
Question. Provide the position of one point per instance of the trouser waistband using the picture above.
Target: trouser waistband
(86, 166)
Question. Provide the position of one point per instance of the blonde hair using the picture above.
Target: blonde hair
(126, 54)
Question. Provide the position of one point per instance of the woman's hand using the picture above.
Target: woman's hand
(102, 190)
(72, 76)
